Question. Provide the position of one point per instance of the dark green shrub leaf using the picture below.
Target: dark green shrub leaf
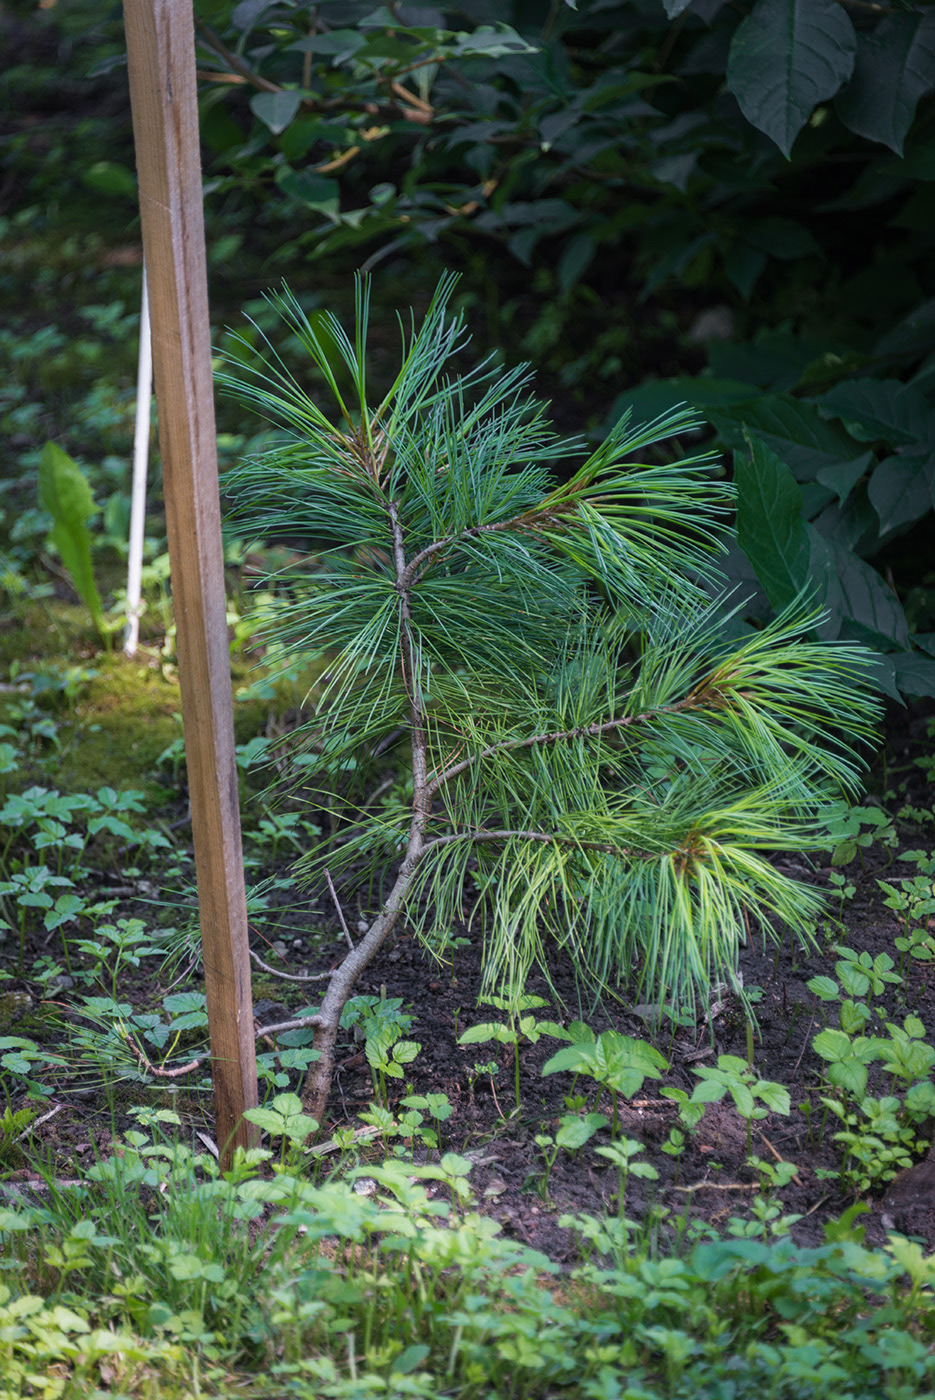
(842, 479)
(770, 528)
(794, 430)
(895, 66)
(855, 590)
(317, 191)
(915, 675)
(339, 43)
(275, 109)
(882, 408)
(108, 177)
(785, 58)
(900, 489)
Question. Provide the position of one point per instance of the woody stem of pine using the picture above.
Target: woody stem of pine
(318, 1081)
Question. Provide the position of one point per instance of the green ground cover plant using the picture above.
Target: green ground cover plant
(341, 1293)
(154, 1273)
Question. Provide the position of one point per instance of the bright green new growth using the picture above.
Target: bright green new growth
(589, 750)
(64, 492)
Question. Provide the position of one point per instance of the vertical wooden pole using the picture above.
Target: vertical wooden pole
(161, 50)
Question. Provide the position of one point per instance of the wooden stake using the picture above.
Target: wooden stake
(161, 50)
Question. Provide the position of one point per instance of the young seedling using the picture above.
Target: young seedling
(595, 762)
(283, 1118)
(381, 1021)
(438, 1108)
(519, 1027)
(733, 1076)
(572, 1134)
(617, 1062)
(621, 1153)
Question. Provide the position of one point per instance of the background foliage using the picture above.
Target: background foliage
(733, 199)
(778, 156)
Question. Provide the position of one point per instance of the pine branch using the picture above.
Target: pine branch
(556, 736)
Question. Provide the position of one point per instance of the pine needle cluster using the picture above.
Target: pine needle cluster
(597, 763)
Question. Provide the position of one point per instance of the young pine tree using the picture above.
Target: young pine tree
(597, 763)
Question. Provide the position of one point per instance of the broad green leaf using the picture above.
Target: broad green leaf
(575, 1132)
(490, 41)
(775, 1096)
(855, 590)
(785, 58)
(110, 178)
(900, 489)
(770, 528)
(338, 44)
(895, 66)
(854, 982)
(915, 674)
(708, 1091)
(487, 1030)
(317, 191)
(264, 1118)
(850, 1075)
(743, 1099)
(843, 478)
(178, 1003)
(66, 495)
(795, 430)
(882, 408)
(276, 109)
(832, 1045)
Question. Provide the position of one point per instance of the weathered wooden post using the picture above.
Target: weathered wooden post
(161, 49)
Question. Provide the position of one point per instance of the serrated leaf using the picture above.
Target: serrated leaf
(478, 1035)
(825, 988)
(881, 408)
(794, 429)
(770, 528)
(850, 1075)
(853, 982)
(708, 1091)
(855, 590)
(785, 58)
(743, 1099)
(832, 1045)
(900, 489)
(775, 1096)
(895, 66)
(574, 1133)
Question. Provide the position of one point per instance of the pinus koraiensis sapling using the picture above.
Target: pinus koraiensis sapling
(594, 761)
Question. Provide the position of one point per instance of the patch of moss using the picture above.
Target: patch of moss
(123, 712)
(124, 720)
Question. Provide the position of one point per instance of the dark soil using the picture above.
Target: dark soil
(712, 1184)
